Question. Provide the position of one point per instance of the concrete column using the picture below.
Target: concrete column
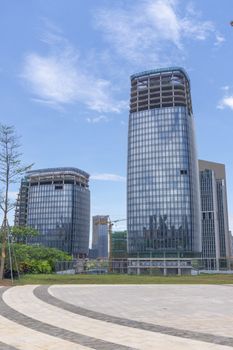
(165, 271)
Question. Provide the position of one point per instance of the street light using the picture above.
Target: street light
(231, 23)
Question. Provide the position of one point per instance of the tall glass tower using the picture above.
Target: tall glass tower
(163, 201)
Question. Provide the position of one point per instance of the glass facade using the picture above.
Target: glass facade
(100, 235)
(215, 229)
(163, 206)
(210, 234)
(57, 204)
(222, 218)
(119, 244)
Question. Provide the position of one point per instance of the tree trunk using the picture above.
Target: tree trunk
(10, 169)
(4, 239)
(5, 223)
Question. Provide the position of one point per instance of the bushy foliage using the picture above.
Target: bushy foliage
(35, 259)
(21, 234)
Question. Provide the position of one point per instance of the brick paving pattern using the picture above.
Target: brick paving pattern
(83, 317)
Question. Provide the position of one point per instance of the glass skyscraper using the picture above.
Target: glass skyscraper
(163, 203)
(56, 202)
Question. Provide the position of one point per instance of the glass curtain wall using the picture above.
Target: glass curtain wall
(162, 189)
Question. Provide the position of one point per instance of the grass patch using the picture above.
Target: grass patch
(122, 279)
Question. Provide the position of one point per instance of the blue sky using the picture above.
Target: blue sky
(64, 81)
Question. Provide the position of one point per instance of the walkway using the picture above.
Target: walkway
(116, 317)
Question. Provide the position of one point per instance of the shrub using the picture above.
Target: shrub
(35, 259)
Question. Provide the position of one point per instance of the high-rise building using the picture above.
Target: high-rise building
(100, 235)
(163, 201)
(214, 215)
(56, 202)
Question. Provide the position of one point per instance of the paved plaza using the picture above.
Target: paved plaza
(116, 317)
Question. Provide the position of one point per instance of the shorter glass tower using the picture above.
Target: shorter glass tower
(56, 202)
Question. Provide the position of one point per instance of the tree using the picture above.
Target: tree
(11, 168)
(21, 234)
(34, 259)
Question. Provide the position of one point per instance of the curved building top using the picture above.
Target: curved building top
(160, 70)
(65, 170)
(64, 175)
(160, 88)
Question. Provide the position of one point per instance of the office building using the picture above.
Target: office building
(163, 200)
(216, 248)
(119, 244)
(100, 235)
(56, 202)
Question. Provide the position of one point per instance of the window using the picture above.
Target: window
(69, 182)
(58, 187)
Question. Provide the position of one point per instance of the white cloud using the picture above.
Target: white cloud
(196, 30)
(108, 177)
(227, 100)
(149, 26)
(94, 120)
(58, 79)
(225, 88)
(219, 39)
(163, 19)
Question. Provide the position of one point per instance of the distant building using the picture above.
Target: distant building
(159, 266)
(119, 244)
(214, 215)
(93, 253)
(163, 201)
(231, 245)
(100, 235)
(56, 202)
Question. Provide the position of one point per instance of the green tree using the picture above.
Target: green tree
(35, 259)
(21, 234)
(11, 168)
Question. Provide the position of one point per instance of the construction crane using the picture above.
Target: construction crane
(110, 223)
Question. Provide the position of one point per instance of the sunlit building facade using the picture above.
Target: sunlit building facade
(56, 202)
(163, 203)
(216, 237)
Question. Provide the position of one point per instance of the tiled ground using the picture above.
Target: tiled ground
(116, 317)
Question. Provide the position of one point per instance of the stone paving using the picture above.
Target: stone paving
(116, 317)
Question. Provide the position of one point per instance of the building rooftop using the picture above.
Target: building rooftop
(218, 168)
(160, 70)
(58, 170)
